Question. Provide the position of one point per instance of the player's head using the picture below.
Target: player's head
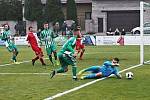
(30, 29)
(6, 27)
(78, 28)
(77, 32)
(115, 61)
(46, 25)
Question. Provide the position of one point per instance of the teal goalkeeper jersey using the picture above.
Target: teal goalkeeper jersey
(69, 45)
(47, 36)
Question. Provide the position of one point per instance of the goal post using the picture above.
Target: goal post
(144, 11)
(141, 32)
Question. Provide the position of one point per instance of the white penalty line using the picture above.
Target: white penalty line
(86, 84)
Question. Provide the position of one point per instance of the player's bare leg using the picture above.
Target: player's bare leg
(81, 54)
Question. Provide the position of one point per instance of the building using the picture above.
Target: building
(84, 11)
(116, 14)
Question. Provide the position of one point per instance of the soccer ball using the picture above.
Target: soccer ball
(129, 75)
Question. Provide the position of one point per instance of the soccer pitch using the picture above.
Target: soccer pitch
(27, 82)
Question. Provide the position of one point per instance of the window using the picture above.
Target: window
(87, 15)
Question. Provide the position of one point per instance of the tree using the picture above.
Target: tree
(17, 6)
(53, 11)
(3, 10)
(33, 10)
(11, 10)
(71, 10)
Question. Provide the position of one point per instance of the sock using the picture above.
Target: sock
(14, 58)
(17, 53)
(81, 54)
(81, 72)
(42, 61)
(74, 70)
(36, 58)
(55, 55)
(50, 58)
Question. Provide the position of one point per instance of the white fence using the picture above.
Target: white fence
(128, 40)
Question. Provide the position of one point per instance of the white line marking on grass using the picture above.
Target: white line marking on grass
(86, 84)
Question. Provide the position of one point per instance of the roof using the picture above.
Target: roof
(77, 1)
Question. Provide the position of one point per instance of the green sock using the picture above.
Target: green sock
(14, 58)
(50, 58)
(74, 70)
(55, 55)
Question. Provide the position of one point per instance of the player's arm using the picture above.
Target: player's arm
(117, 74)
(70, 48)
(42, 36)
(54, 34)
(9, 36)
(3, 36)
(27, 39)
(107, 63)
(71, 45)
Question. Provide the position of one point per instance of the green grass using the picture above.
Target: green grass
(38, 87)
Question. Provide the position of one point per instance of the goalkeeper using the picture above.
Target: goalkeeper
(108, 68)
(67, 56)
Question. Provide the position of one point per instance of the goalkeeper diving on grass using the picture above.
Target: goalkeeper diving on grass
(108, 68)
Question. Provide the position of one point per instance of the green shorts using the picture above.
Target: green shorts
(66, 60)
(12, 47)
(51, 49)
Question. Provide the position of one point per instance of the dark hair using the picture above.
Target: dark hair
(45, 23)
(7, 25)
(30, 27)
(116, 59)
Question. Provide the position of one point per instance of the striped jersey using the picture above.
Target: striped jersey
(47, 36)
(6, 36)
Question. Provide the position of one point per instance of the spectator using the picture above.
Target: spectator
(109, 32)
(117, 32)
(63, 28)
(123, 32)
(56, 27)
